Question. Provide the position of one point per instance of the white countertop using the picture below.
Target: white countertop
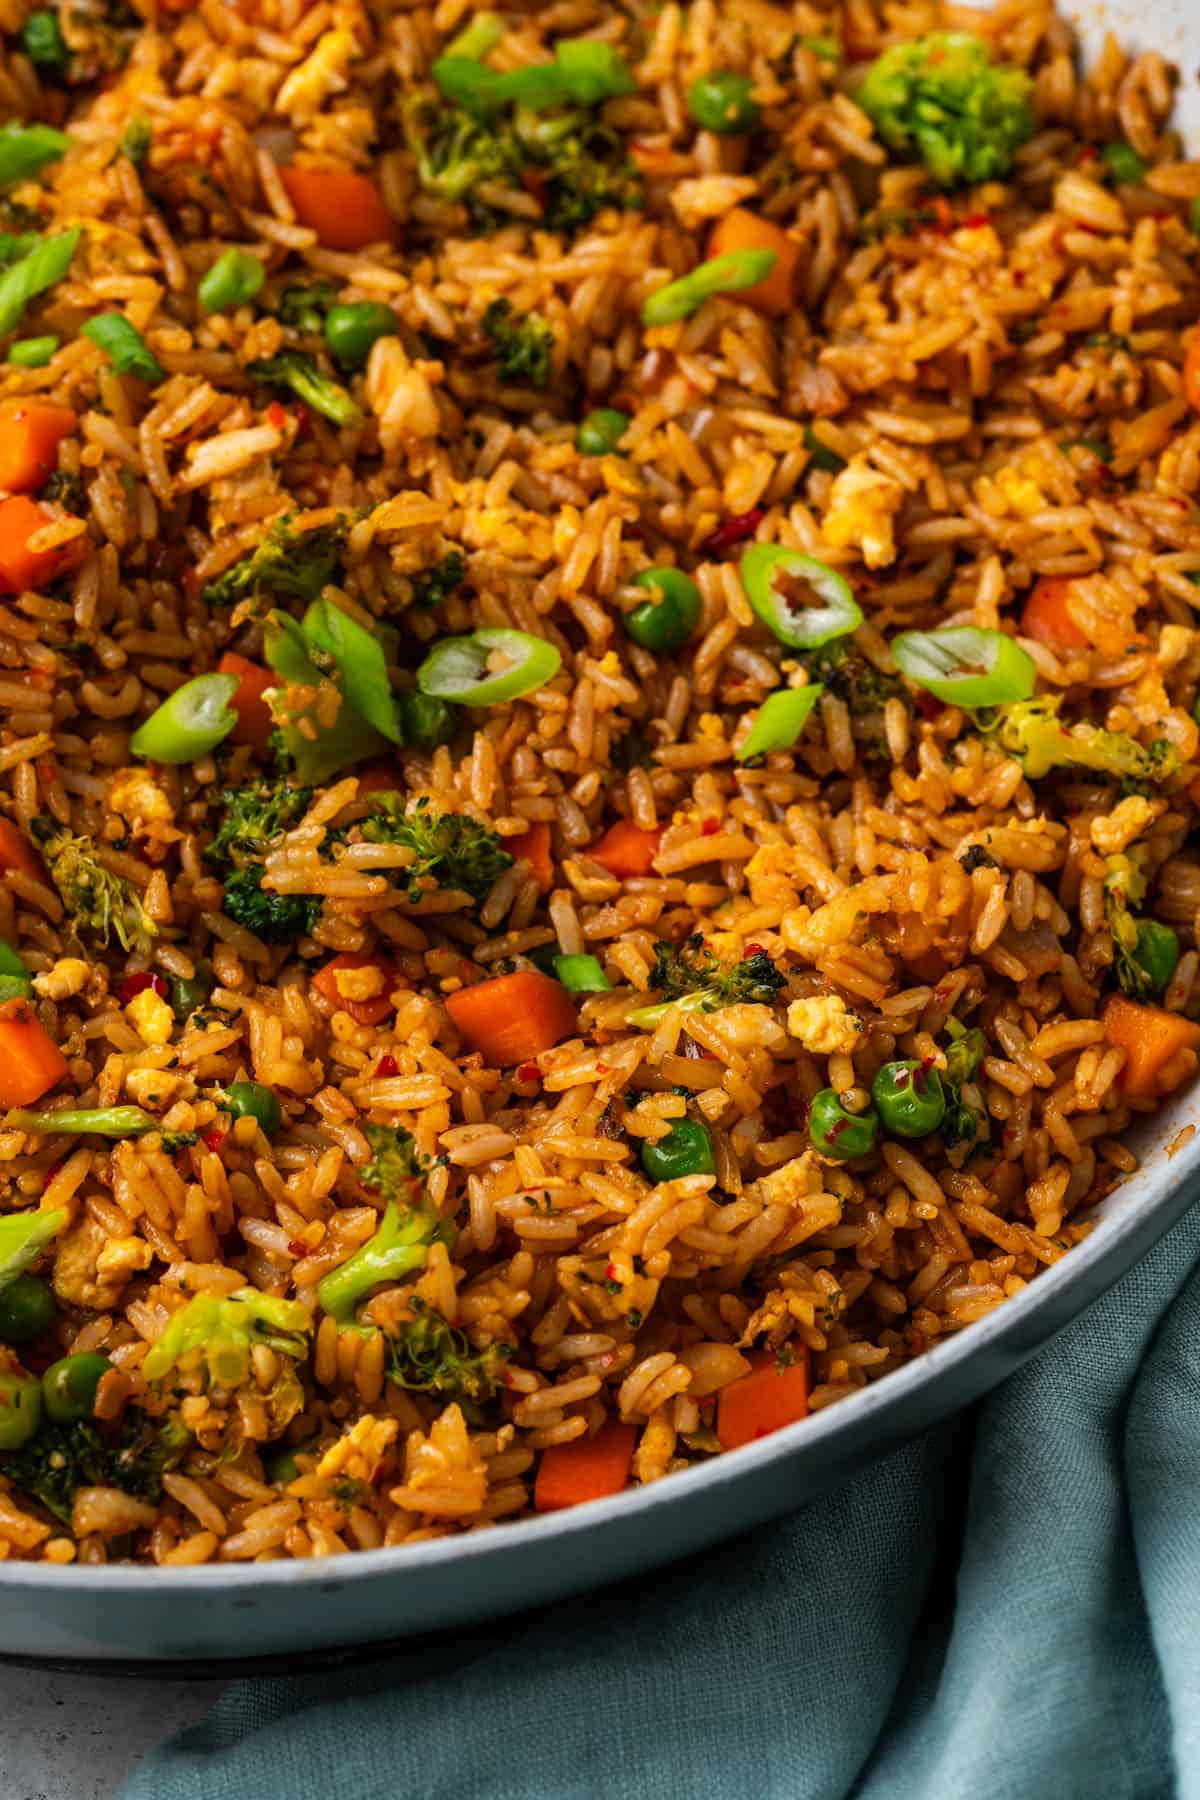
(77, 1737)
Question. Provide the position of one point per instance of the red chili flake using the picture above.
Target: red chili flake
(212, 1140)
(710, 827)
(733, 531)
(610, 1272)
(1088, 154)
(53, 1170)
(297, 1247)
(133, 985)
(303, 418)
(901, 1078)
(973, 221)
(928, 705)
(277, 415)
(1018, 276)
(753, 949)
(387, 1065)
(529, 1072)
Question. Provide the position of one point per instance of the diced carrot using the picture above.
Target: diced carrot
(255, 724)
(1045, 618)
(625, 849)
(31, 1063)
(587, 1468)
(1153, 1041)
(533, 847)
(20, 567)
(1191, 371)
(344, 984)
(344, 208)
(744, 230)
(378, 778)
(16, 852)
(29, 438)
(769, 1397)
(513, 1018)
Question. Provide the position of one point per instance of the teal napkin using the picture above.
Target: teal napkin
(1006, 1609)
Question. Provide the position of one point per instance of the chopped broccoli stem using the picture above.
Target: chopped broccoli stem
(294, 370)
(253, 818)
(523, 348)
(1032, 731)
(222, 1332)
(407, 1230)
(941, 96)
(96, 900)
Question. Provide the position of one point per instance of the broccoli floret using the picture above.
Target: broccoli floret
(406, 1233)
(961, 1124)
(863, 687)
(95, 899)
(433, 585)
(303, 309)
(285, 562)
(23, 1237)
(451, 850)
(1124, 889)
(294, 371)
(940, 95)
(523, 347)
(136, 139)
(223, 1330)
(456, 153)
(253, 817)
(429, 1356)
(688, 975)
(275, 918)
(976, 857)
(1032, 731)
(580, 165)
(62, 1458)
(66, 491)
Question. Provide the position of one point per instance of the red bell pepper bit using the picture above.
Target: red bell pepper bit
(387, 1065)
(133, 985)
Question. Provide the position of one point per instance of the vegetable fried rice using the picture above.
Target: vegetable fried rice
(598, 665)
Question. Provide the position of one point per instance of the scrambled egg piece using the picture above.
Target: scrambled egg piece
(862, 508)
(1021, 495)
(1115, 831)
(824, 1025)
(138, 798)
(360, 984)
(153, 1088)
(150, 1017)
(122, 1257)
(77, 1279)
(67, 978)
(708, 196)
(1173, 645)
(360, 1454)
(322, 73)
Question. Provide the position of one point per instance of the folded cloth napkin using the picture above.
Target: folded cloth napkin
(1007, 1608)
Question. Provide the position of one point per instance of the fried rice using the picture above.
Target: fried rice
(975, 389)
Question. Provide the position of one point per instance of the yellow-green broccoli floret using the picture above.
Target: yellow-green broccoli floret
(222, 1331)
(689, 976)
(93, 896)
(428, 1355)
(941, 96)
(407, 1231)
(1033, 731)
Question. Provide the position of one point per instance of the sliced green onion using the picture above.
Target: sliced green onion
(478, 38)
(23, 1237)
(190, 722)
(536, 88)
(45, 264)
(1194, 215)
(1124, 164)
(581, 975)
(592, 72)
(15, 980)
(24, 149)
(467, 83)
(727, 274)
(234, 278)
(792, 617)
(780, 720)
(488, 667)
(124, 346)
(965, 665)
(722, 101)
(33, 353)
(93, 1121)
(601, 431)
(42, 40)
(826, 49)
(361, 665)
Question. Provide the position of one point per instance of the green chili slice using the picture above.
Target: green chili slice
(33, 353)
(124, 346)
(592, 71)
(45, 264)
(190, 722)
(727, 274)
(780, 720)
(581, 975)
(488, 667)
(235, 277)
(478, 38)
(965, 665)
(24, 149)
(783, 587)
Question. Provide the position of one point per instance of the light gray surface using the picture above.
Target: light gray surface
(76, 1737)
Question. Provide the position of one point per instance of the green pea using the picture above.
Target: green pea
(686, 1150)
(26, 1310)
(20, 1406)
(350, 331)
(721, 101)
(664, 624)
(234, 278)
(69, 1385)
(601, 432)
(281, 1466)
(250, 1100)
(910, 1099)
(187, 995)
(1156, 949)
(837, 1132)
(425, 720)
